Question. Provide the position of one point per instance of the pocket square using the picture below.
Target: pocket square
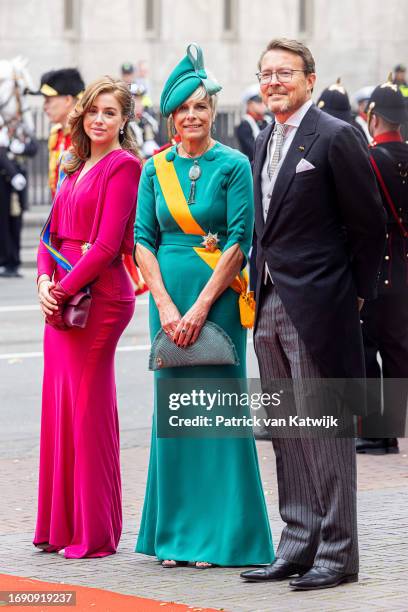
(304, 165)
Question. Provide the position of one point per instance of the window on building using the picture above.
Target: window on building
(152, 17)
(305, 16)
(69, 15)
(229, 17)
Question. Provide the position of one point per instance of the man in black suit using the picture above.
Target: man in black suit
(385, 319)
(321, 231)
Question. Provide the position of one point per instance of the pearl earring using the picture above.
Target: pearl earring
(121, 131)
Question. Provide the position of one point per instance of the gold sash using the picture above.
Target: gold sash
(181, 213)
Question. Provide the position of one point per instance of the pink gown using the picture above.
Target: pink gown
(79, 505)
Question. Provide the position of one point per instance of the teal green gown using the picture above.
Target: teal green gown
(204, 498)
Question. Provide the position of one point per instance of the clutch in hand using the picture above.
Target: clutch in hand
(77, 309)
(213, 347)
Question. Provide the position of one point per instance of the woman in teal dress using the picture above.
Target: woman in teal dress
(204, 499)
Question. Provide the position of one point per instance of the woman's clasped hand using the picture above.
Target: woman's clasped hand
(190, 325)
(52, 299)
(48, 304)
(185, 330)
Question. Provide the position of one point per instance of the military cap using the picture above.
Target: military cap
(64, 82)
(137, 89)
(363, 94)
(184, 80)
(334, 100)
(127, 68)
(252, 94)
(388, 102)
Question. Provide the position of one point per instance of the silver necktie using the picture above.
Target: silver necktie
(279, 131)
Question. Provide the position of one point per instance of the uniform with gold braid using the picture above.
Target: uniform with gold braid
(59, 141)
(62, 82)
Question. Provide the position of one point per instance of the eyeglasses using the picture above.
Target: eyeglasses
(283, 75)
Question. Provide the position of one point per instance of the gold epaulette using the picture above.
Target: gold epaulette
(53, 137)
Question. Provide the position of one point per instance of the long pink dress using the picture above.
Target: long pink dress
(79, 505)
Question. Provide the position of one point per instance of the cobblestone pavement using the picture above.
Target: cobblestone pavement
(383, 520)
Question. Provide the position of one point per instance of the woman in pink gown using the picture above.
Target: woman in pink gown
(79, 506)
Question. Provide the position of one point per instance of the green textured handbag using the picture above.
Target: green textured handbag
(213, 347)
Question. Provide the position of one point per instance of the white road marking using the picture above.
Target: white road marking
(17, 357)
(32, 307)
(20, 308)
(35, 354)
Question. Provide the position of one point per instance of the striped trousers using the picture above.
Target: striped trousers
(316, 477)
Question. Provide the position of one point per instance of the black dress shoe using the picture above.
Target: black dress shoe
(392, 445)
(376, 446)
(279, 570)
(10, 273)
(321, 578)
(262, 434)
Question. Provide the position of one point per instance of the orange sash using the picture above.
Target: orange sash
(181, 213)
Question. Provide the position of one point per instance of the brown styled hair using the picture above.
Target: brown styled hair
(81, 145)
(294, 46)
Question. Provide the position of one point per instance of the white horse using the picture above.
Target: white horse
(16, 120)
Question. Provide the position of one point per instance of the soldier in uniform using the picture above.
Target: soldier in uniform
(12, 180)
(400, 79)
(127, 71)
(61, 90)
(361, 98)
(253, 121)
(13, 195)
(144, 125)
(335, 101)
(385, 319)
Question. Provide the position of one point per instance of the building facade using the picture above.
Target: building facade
(359, 41)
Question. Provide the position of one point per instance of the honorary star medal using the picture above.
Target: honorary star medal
(210, 242)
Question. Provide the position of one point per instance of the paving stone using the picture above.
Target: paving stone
(383, 521)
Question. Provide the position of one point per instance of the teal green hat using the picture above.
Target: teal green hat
(184, 80)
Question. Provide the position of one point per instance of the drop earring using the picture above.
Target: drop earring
(121, 131)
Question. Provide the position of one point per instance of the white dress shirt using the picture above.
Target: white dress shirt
(267, 184)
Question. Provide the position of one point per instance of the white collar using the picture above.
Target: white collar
(296, 119)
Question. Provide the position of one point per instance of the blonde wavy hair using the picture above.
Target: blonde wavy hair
(80, 149)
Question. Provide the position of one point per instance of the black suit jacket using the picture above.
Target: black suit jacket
(323, 238)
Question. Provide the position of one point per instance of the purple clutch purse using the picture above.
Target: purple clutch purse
(76, 309)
